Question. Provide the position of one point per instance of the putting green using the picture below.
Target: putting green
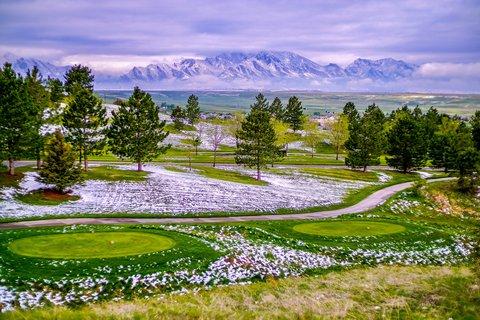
(348, 228)
(90, 245)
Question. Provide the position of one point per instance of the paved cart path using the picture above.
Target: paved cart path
(375, 199)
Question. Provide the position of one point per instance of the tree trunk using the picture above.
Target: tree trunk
(258, 172)
(338, 151)
(39, 163)
(214, 157)
(364, 168)
(85, 163)
(139, 166)
(11, 166)
(196, 150)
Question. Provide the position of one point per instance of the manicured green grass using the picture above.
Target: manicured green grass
(45, 198)
(348, 228)
(346, 174)
(90, 245)
(384, 292)
(108, 173)
(227, 175)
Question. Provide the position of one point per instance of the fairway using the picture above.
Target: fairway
(348, 228)
(90, 245)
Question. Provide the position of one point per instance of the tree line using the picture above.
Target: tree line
(31, 106)
(411, 139)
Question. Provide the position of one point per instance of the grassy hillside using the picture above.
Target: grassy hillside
(393, 292)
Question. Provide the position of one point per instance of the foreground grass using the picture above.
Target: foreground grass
(108, 173)
(394, 292)
(45, 198)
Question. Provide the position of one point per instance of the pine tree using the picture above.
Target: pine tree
(78, 77)
(192, 110)
(452, 137)
(256, 147)
(261, 103)
(475, 123)
(136, 131)
(276, 109)
(17, 117)
(468, 166)
(60, 167)
(350, 111)
(367, 139)
(178, 116)
(85, 121)
(41, 103)
(55, 87)
(407, 146)
(294, 114)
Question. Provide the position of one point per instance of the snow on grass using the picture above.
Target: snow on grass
(179, 193)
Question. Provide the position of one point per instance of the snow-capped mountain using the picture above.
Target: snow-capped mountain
(383, 69)
(22, 65)
(267, 65)
(276, 66)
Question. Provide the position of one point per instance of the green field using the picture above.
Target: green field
(90, 245)
(231, 101)
(348, 228)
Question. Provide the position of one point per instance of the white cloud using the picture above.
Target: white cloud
(449, 70)
(119, 63)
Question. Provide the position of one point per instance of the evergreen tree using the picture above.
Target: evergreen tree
(261, 103)
(475, 123)
(468, 166)
(367, 139)
(294, 114)
(192, 110)
(17, 117)
(85, 121)
(136, 131)
(407, 146)
(452, 137)
(276, 109)
(41, 103)
(178, 116)
(55, 87)
(256, 147)
(60, 167)
(78, 77)
(350, 111)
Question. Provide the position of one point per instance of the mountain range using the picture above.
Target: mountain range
(234, 69)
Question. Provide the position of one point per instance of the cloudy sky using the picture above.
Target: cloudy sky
(114, 35)
(443, 36)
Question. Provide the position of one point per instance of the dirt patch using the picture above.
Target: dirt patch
(49, 194)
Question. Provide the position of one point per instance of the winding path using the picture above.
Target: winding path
(370, 202)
